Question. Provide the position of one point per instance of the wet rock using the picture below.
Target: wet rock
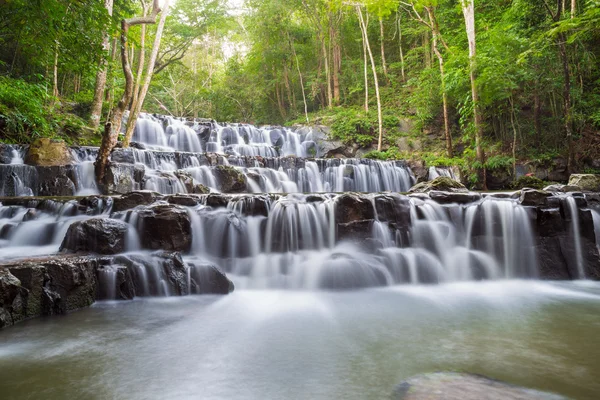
(47, 152)
(123, 156)
(183, 200)
(419, 169)
(355, 230)
(165, 227)
(533, 197)
(119, 178)
(207, 278)
(587, 182)
(199, 188)
(217, 200)
(454, 198)
(351, 207)
(559, 188)
(499, 178)
(230, 179)
(441, 183)
(123, 288)
(56, 181)
(11, 298)
(96, 235)
(133, 199)
(460, 386)
(55, 285)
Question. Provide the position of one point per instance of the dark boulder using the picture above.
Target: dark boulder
(119, 178)
(534, 197)
(453, 197)
(96, 235)
(123, 156)
(185, 200)
(11, 298)
(133, 199)
(229, 179)
(352, 207)
(56, 181)
(165, 227)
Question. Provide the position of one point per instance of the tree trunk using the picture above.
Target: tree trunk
(113, 126)
(55, 73)
(140, 71)
(468, 8)
(379, 115)
(301, 79)
(537, 122)
(562, 45)
(382, 41)
(366, 64)
(328, 76)
(514, 144)
(337, 65)
(400, 47)
(436, 37)
(573, 8)
(101, 74)
(148, 77)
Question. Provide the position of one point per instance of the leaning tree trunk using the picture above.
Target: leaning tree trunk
(468, 8)
(379, 115)
(113, 126)
(101, 74)
(149, 72)
(382, 41)
(366, 67)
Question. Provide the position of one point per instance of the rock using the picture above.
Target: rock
(56, 181)
(119, 178)
(217, 200)
(350, 207)
(11, 298)
(54, 285)
(419, 169)
(499, 178)
(460, 386)
(533, 197)
(528, 182)
(229, 179)
(354, 230)
(133, 199)
(186, 180)
(441, 183)
(454, 198)
(165, 227)
(199, 188)
(183, 200)
(587, 182)
(208, 279)
(560, 188)
(123, 156)
(96, 235)
(47, 152)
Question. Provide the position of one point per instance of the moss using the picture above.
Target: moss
(528, 182)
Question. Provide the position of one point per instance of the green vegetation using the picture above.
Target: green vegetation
(535, 72)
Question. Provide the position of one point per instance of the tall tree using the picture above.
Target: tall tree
(96, 110)
(113, 126)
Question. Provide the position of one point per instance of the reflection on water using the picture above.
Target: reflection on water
(317, 345)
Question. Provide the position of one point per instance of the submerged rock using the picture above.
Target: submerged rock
(586, 182)
(441, 183)
(460, 386)
(47, 152)
(96, 235)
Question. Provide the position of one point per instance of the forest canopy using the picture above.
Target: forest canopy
(489, 81)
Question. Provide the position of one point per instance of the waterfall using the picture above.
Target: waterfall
(576, 233)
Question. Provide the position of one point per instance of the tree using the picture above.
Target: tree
(468, 8)
(96, 110)
(113, 127)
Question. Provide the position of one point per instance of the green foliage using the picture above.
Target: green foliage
(22, 109)
(529, 182)
(499, 162)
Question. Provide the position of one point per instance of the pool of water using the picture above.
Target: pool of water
(310, 345)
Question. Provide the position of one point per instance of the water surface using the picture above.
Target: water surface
(310, 345)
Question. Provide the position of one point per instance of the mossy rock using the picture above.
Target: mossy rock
(230, 179)
(441, 183)
(47, 152)
(528, 182)
(587, 182)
